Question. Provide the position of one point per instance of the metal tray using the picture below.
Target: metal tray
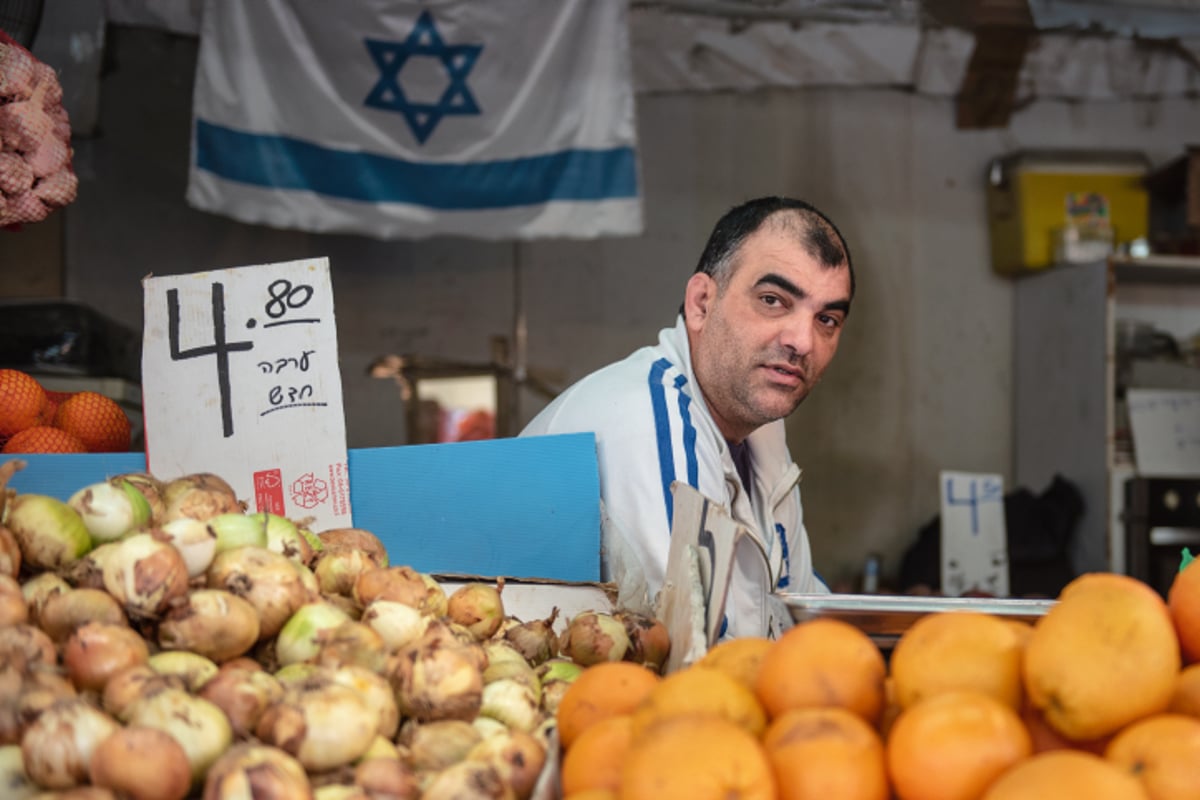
(886, 617)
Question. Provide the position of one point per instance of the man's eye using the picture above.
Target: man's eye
(829, 321)
(771, 300)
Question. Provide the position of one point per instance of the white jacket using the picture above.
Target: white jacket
(652, 427)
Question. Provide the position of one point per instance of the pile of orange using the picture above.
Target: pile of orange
(1099, 698)
(34, 420)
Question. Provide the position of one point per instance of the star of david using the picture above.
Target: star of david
(423, 40)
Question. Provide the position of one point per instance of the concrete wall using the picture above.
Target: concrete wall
(923, 381)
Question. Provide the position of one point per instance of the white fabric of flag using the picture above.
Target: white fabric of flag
(505, 119)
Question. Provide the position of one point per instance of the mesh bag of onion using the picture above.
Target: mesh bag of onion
(35, 138)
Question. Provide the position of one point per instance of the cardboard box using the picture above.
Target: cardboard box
(518, 508)
(1045, 207)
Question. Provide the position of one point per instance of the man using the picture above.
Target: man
(760, 322)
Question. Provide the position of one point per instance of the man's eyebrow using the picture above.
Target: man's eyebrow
(795, 291)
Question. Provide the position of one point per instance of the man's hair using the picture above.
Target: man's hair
(815, 231)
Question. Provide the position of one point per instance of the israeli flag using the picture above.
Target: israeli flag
(505, 119)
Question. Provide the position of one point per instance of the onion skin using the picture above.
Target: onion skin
(66, 611)
(265, 579)
(243, 695)
(200, 728)
(433, 746)
(387, 778)
(259, 772)
(517, 755)
(436, 681)
(88, 572)
(324, 725)
(151, 488)
(592, 637)
(13, 780)
(13, 608)
(126, 686)
(141, 764)
(145, 574)
(40, 588)
(478, 608)
(49, 532)
(283, 537)
(535, 640)
(299, 640)
(376, 691)
(38, 688)
(110, 509)
(193, 669)
(22, 645)
(194, 540)
(398, 624)
(649, 641)
(478, 780)
(354, 539)
(201, 496)
(10, 554)
(57, 747)
(337, 570)
(98, 650)
(213, 623)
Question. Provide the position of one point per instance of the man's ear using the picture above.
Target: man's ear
(698, 297)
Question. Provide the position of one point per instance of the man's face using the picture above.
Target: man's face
(759, 346)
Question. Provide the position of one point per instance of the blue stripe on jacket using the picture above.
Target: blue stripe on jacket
(662, 433)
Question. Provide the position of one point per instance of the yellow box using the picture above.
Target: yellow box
(1044, 203)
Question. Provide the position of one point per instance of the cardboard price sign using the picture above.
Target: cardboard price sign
(240, 378)
(974, 538)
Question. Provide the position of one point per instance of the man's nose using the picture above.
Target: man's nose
(797, 334)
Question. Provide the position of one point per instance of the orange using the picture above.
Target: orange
(952, 745)
(1062, 774)
(739, 658)
(1102, 657)
(697, 757)
(43, 439)
(97, 420)
(22, 402)
(823, 753)
(1183, 600)
(958, 650)
(1186, 697)
(821, 663)
(592, 794)
(601, 691)
(700, 690)
(1163, 752)
(1045, 738)
(595, 758)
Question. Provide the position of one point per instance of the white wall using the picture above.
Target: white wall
(924, 377)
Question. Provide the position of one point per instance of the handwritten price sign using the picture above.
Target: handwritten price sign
(240, 378)
(974, 538)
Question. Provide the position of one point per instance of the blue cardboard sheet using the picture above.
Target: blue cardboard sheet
(521, 508)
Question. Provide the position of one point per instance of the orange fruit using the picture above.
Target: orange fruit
(738, 658)
(592, 794)
(822, 753)
(53, 401)
(601, 691)
(1045, 738)
(1065, 773)
(1183, 600)
(595, 757)
(43, 439)
(97, 420)
(700, 690)
(1186, 697)
(1163, 752)
(22, 402)
(958, 650)
(697, 757)
(952, 745)
(822, 663)
(1102, 657)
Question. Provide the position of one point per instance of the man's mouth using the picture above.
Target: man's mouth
(789, 373)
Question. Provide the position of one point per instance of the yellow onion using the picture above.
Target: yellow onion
(214, 623)
(323, 724)
(512, 702)
(283, 537)
(478, 608)
(57, 746)
(488, 726)
(13, 780)
(387, 778)
(256, 771)
(237, 530)
(126, 686)
(145, 574)
(398, 624)
(381, 747)
(88, 572)
(478, 780)
(556, 676)
(98, 650)
(443, 633)
(265, 579)
(200, 727)
(649, 642)
(517, 755)
(49, 532)
(536, 639)
(433, 746)
(337, 570)
(10, 554)
(243, 695)
(111, 509)
(151, 489)
(437, 681)
(375, 689)
(66, 611)
(513, 670)
(194, 540)
(354, 539)
(38, 589)
(141, 763)
(193, 669)
(200, 495)
(22, 644)
(13, 608)
(592, 637)
(25, 693)
(299, 638)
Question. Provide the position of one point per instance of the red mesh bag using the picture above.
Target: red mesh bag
(35, 138)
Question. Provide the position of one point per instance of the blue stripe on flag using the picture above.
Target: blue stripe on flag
(283, 162)
(689, 434)
(662, 430)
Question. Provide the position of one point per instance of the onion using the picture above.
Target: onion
(284, 537)
(433, 746)
(488, 726)
(111, 509)
(98, 650)
(145, 574)
(517, 755)
(337, 570)
(66, 611)
(478, 780)
(194, 540)
(437, 681)
(556, 676)
(22, 645)
(649, 642)
(315, 545)
(214, 623)
(387, 778)
(512, 702)
(88, 572)
(57, 747)
(399, 624)
(200, 495)
(324, 725)
(13, 780)
(536, 639)
(256, 771)
(298, 639)
(200, 727)
(238, 530)
(243, 695)
(351, 644)
(193, 669)
(354, 539)
(265, 579)
(127, 686)
(39, 589)
(151, 488)
(381, 747)
(593, 637)
(10, 554)
(26, 694)
(513, 670)
(141, 763)
(13, 608)
(49, 532)
(375, 689)
(477, 607)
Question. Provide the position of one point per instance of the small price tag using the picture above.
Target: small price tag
(974, 539)
(240, 378)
